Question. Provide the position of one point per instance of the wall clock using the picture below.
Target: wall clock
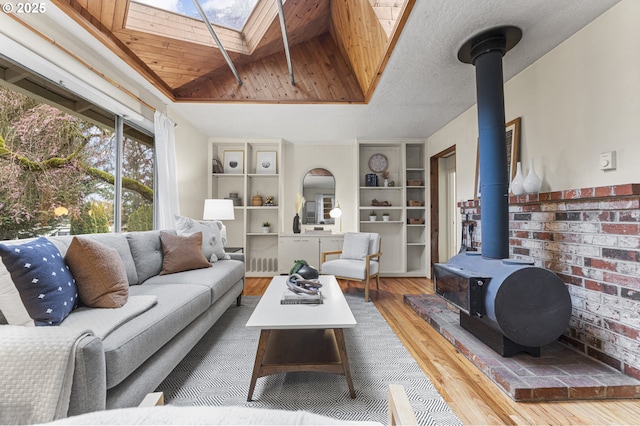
(378, 163)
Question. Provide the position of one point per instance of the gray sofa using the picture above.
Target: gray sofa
(138, 355)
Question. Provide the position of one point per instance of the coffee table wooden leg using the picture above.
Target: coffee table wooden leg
(345, 360)
(262, 348)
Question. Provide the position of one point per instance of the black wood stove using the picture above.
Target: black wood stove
(509, 304)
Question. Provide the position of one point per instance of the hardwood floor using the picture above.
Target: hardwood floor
(474, 398)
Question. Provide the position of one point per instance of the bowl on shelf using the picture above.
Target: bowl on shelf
(416, 221)
(415, 203)
(411, 182)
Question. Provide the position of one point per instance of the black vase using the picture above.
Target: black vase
(296, 224)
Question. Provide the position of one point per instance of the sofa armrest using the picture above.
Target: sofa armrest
(236, 256)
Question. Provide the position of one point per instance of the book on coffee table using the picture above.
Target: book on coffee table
(291, 298)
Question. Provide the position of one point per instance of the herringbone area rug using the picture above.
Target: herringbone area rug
(218, 370)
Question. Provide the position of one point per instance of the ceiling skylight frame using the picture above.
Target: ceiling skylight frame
(197, 16)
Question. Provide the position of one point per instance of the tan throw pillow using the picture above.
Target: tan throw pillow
(182, 253)
(99, 272)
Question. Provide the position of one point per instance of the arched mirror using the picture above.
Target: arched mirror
(318, 189)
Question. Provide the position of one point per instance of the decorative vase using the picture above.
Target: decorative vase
(373, 218)
(385, 218)
(296, 224)
(517, 184)
(385, 183)
(532, 183)
(265, 229)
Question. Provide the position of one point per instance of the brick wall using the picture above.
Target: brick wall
(591, 238)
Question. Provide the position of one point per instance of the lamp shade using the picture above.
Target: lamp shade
(215, 209)
(336, 212)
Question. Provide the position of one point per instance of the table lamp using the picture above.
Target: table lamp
(216, 209)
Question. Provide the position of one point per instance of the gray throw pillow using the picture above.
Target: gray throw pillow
(355, 246)
(212, 236)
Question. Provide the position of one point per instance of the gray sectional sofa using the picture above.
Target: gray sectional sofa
(134, 358)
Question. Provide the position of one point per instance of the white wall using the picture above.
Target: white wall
(579, 100)
(193, 166)
(340, 160)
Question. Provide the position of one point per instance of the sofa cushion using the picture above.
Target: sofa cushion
(41, 284)
(219, 278)
(116, 241)
(130, 345)
(146, 250)
(213, 240)
(99, 273)
(182, 253)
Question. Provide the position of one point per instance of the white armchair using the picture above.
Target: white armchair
(359, 259)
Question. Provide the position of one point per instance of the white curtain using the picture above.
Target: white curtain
(167, 176)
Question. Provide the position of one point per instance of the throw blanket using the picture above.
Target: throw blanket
(36, 372)
(101, 322)
(37, 363)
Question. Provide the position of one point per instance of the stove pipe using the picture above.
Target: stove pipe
(485, 51)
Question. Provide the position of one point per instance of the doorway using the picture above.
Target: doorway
(444, 208)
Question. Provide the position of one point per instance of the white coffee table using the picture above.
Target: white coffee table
(301, 337)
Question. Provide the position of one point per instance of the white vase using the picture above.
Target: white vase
(532, 182)
(517, 184)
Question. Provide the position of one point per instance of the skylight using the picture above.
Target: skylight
(227, 13)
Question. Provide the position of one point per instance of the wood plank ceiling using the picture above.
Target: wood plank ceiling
(339, 48)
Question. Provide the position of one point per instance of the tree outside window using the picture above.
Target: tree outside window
(57, 172)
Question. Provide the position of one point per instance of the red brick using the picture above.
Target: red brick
(635, 373)
(622, 329)
(550, 394)
(546, 236)
(587, 193)
(627, 189)
(590, 392)
(571, 194)
(607, 359)
(567, 238)
(601, 287)
(557, 195)
(629, 216)
(522, 234)
(603, 191)
(620, 254)
(569, 279)
(576, 344)
(625, 280)
(583, 205)
(630, 391)
(544, 196)
(601, 264)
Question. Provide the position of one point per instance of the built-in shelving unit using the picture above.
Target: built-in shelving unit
(402, 198)
(260, 248)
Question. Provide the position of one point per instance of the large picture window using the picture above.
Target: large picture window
(58, 171)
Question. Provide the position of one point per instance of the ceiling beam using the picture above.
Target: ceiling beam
(217, 40)
(285, 40)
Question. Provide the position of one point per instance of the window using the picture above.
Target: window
(58, 169)
(227, 13)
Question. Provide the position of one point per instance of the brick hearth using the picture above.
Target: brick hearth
(560, 373)
(590, 237)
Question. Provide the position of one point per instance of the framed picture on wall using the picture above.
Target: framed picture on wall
(266, 162)
(512, 134)
(234, 162)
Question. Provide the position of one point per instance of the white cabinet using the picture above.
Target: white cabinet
(401, 201)
(254, 175)
(307, 247)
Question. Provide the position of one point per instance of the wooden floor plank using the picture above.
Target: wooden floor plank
(474, 398)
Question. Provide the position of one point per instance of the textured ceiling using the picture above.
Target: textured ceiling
(423, 87)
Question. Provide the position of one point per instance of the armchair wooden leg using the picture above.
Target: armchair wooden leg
(366, 290)
(378, 281)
